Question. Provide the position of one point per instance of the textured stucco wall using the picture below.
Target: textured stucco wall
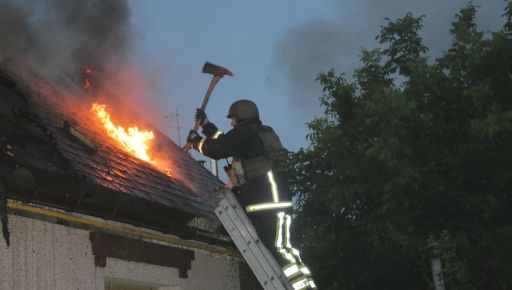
(45, 255)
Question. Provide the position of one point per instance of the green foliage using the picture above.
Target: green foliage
(405, 46)
(507, 28)
(412, 159)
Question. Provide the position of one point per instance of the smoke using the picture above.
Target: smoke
(58, 38)
(321, 44)
(55, 40)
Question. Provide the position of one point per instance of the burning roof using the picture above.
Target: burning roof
(42, 128)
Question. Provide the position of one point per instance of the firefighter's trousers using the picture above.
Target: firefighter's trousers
(273, 228)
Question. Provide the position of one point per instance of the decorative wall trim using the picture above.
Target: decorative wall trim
(107, 245)
(97, 224)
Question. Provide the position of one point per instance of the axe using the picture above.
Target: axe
(218, 72)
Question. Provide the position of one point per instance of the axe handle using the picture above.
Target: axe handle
(213, 83)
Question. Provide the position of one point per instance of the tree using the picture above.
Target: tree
(413, 158)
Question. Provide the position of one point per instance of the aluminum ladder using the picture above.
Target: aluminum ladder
(242, 232)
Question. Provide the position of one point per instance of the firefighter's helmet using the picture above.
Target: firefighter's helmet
(243, 110)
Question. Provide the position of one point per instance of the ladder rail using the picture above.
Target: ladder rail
(249, 234)
(251, 254)
(242, 232)
(251, 231)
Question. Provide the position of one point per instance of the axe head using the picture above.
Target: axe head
(218, 71)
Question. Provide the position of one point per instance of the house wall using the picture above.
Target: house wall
(45, 255)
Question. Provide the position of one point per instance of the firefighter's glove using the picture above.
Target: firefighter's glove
(193, 137)
(201, 118)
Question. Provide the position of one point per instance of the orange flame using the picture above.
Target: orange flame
(87, 84)
(134, 141)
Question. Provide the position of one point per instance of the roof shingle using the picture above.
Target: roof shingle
(189, 190)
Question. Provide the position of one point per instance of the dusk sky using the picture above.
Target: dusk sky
(274, 48)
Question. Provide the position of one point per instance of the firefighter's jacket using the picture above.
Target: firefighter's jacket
(258, 171)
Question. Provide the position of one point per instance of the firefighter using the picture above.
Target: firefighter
(258, 177)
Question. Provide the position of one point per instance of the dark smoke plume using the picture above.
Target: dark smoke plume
(58, 38)
(321, 44)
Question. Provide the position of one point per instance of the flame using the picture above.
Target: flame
(135, 141)
(87, 84)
